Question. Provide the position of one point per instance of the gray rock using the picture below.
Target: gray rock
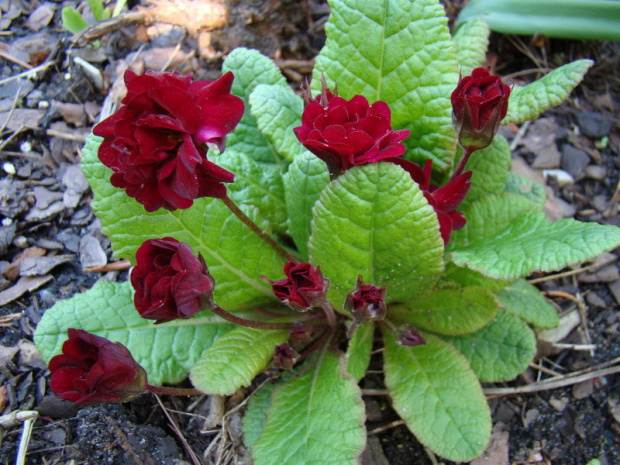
(574, 161)
(91, 252)
(593, 124)
(596, 172)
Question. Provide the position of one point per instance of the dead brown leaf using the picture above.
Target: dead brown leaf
(25, 284)
(12, 271)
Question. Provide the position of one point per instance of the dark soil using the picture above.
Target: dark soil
(46, 213)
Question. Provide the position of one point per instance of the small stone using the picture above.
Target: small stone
(563, 178)
(574, 161)
(583, 389)
(596, 172)
(20, 242)
(91, 252)
(595, 300)
(600, 202)
(593, 124)
(615, 290)
(559, 404)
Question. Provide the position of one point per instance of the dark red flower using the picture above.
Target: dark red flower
(445, 200)
(304, 286)
(155, 143)
(345, 133)
(170, 281)
(93, 370)
(479, 104)
(367, 302)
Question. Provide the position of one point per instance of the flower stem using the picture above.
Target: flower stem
(170, 391)
(329, 314)
(219, 311)
(464, 159)
(250, 224)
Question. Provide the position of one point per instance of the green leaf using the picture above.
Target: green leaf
(531, 190)
(316, 417)
(530, 101)
(464, 277)
(166, 351)
(501, 350)
(251, 69)
(374, 221)
(449, 311)
(488, 216)
(472, 41)
(277, 111)
(259, 186)
(235, 255)
(400, 52)
(256, 414)
(358, 352)
(531, 244)
(490, 168)
(96, 6)
(73, 21)
(525, 301)
(235, 359)
(306, 178)
(438, 395)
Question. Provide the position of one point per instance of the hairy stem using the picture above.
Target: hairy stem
(250, 224)
(464, 159)
(219, 311)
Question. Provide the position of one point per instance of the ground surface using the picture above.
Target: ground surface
(48, 222)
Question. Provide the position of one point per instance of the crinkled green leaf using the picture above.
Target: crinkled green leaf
(438, 395)
(358, 352)
(235, 255)
(530, 243)
(531, 190)
(499, 351)
(235, 359)
(166, 351)
(525, 301)
(472, 40)
(316, 417)
(449, 311)
(374, 221)
(260, 186)
(256, 414)
(306, 178)
(400, 52)
(464, 277)
(488, 216)
(251, 69)
(277, 111)
(530, 101)
(490, 168)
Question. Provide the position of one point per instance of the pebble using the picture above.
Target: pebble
(596, 172)
(574, 161)
(91, 252)
(593, 124)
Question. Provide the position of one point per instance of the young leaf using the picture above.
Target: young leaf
(449, 311)
(437, 394)
(256, 414)
(399, 52)
(316, 417)
(490, 168)
(530, 243)
(530, 101)
(525, 301)
(277, 111)
(235, 255)
(306, 178)
(499, 351)
(488, 216)
(374, 221)
(166, 351)
(251, 69)
(531, 190)
(260, 186)
(358, 352)
(235, 359)
(96, 7)
(73, 21)
(472, 40)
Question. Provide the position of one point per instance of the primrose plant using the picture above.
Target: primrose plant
(291, 237)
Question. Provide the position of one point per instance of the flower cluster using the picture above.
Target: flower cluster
(155, 142)
(303, 288)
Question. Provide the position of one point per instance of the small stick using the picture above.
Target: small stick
(562, 275)
(192, 455)
(381, 429)
(114, 266)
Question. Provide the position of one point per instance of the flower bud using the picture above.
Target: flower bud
(285, 356)
(411, 337)
(93, 370)
(303, 288)
(479, 103)
(367, 302)
(170, 281)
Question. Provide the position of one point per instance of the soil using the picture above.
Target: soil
(46, 215)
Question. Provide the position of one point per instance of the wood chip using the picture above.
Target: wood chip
(25, 284)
